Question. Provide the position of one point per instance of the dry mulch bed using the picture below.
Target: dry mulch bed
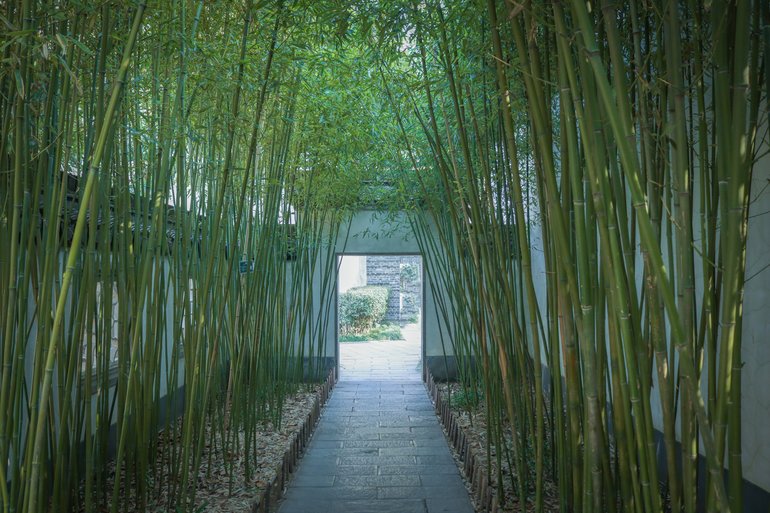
(277, 450)
(467, 434)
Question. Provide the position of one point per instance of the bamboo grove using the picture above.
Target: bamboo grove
(584, 215)
(174, 175)
(160, 235)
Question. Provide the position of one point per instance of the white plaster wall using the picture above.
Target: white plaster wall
(755, 382)
(352, 272)
(755, 350)
(165, 336)
(378, 233)
(537, 257)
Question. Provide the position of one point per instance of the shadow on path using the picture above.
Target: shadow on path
(378, 448)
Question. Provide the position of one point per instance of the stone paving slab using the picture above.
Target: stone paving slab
(394, 458)
(384, 359)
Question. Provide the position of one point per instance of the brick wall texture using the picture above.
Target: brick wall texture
(403, 276)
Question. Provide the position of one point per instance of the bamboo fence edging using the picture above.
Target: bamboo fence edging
(481, 493)
(268, 501)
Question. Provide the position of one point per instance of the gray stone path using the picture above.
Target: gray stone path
(383, 359)
(378, 448)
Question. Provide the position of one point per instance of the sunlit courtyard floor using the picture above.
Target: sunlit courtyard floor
(383, 359)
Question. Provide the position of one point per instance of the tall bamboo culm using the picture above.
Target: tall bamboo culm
(592, 183)
(156, 257)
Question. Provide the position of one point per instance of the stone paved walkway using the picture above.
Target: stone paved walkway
(378, 448)
(383, 359)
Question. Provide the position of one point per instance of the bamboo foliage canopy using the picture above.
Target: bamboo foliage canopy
(149, 148)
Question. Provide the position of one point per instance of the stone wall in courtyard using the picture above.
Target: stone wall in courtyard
(403, 276)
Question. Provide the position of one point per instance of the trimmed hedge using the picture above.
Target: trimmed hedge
(362, 308)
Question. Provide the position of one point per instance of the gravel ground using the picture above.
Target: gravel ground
(474, 424)
(216, 492)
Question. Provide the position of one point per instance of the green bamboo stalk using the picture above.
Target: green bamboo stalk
(18, 173)
(208, 275)
(39, 433)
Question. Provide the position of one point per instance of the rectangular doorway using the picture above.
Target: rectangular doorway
(380, 317)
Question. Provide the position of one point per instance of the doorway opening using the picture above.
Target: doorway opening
(380, 317)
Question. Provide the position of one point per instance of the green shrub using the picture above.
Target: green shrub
(467, 398)
(362, 308)
(410, 273)
(410, 303)
(381, 332)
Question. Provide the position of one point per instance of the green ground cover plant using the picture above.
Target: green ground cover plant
(380, 332)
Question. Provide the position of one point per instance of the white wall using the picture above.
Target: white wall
(755, 351)
(755, 405)
(377, 233)
(352, 272)
(165, 335)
